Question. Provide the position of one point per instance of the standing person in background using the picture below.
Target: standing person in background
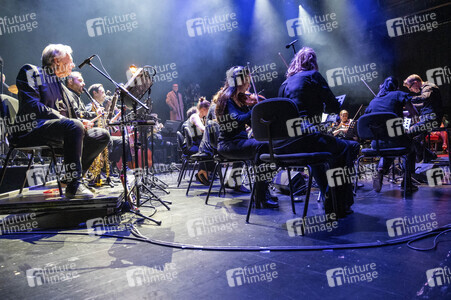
(175, 102)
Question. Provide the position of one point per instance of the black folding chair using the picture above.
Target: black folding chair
(9, 111)
(269, 123)
(374, 126)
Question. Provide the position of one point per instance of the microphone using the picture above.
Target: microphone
(290, 44)
(86, 61)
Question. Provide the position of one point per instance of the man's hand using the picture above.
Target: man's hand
(100, 111)
(87, 124)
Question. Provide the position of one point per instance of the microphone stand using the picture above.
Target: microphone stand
(129, 206)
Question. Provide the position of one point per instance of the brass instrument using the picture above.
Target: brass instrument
(93, 174)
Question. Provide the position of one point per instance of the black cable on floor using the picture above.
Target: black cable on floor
(141, 238)
(435, 243)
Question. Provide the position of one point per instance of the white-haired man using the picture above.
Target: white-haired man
(43, 97)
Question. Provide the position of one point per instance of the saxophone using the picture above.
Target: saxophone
(93, 174)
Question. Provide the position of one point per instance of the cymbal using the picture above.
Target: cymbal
(13, 89)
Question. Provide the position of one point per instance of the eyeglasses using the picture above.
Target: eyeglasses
(410, 86)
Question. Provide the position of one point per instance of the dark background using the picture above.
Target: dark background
(162, 38)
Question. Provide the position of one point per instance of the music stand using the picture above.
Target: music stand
(128, 204)
(139, 84)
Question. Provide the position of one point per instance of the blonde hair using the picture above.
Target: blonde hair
(304, 60)
(344, 112)
(53, 51)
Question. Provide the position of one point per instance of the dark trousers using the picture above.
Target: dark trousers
(80, 146)
(248, 149)
(116, 149)
(418, 132)
(385, 162)
(343, 152)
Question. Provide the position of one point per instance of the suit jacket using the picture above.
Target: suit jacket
(176, 106)
(42, 96)
(79, 107)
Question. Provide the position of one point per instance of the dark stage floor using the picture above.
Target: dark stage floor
(92, 267)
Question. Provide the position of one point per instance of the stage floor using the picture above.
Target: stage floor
(92, 267)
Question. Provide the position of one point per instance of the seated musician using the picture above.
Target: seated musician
(115, 148)
(75, 83)
(428, 101)
(390, 99)
(234, 143)
(342, 128)
(43, 94)
(196, 126)
(310, 92)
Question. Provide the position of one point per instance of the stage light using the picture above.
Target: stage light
(133, 69)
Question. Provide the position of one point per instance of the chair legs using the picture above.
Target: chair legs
(251, 202)
(182, 171)
(196, 164)
(213, 180)
(357, 174)
(28, 168)
(6, 164)
(291, 190)
(58, 173)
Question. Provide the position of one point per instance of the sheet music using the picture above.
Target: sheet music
(406, 123)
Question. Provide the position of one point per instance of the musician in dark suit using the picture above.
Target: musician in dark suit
(428, 101)
(390, 99)
(311, 93)
(75, 83)
(43, 96)
(115, 147)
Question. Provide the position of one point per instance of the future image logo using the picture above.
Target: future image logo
(310, 25)
(395, 127)
(251, 274)
(439, 76)
(351, 74)
(437, 176)
(18, 23)
(411, 24)
(354, 274)
(211, 25)
(438, 276)
(411, 225)
(108, 25)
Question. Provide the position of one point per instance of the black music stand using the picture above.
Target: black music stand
(140, 84)
(128, 205)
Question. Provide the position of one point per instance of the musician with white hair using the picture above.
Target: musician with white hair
(44, 98)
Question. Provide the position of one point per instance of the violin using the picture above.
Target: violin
(248, 98)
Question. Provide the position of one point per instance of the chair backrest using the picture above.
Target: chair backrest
(9, 108)
(380, 126)
(213, 134)
(180, 140)
(269, 119)
(188, 138)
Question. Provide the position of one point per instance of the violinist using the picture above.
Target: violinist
(196, 125)
(233, 107)
(342, 128)
(311, 93)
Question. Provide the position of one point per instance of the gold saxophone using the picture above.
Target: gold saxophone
(101, 160)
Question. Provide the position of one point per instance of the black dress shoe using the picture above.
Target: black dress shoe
(241, 189)
(267, 201)
(201, 178)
